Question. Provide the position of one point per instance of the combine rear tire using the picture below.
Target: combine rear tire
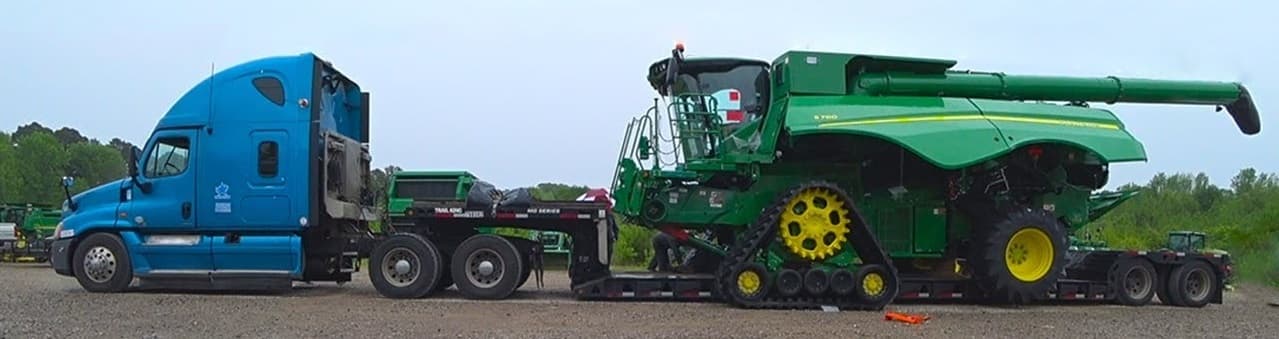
(405, 266)
(487, 266)
(1134, 281)
(1020, 256)
(101, 264)
(1193, 283)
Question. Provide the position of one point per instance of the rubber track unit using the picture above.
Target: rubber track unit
(765, 230)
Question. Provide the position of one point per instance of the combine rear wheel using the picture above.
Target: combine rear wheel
(405, 266)
(1020, 256)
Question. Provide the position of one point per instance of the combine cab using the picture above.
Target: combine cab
(851, 180)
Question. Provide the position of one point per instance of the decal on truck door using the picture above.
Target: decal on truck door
(222, 192)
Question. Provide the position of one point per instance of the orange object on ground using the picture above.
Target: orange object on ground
(906, 318)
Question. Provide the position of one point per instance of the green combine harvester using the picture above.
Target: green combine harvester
(854, 180)
(23, 231)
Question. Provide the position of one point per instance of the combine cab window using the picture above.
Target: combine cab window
(748, 79)
(168, 157)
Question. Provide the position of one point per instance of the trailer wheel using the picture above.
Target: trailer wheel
(487, 266)
(1164, 289)
(1193, 283)
(1134, 281)
(1020, 256)
(789, 282)
(842, 282)
(101, 264)
(874, 284)
(405, 266)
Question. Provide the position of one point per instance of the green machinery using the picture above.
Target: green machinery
(847, 180)
(23, 229)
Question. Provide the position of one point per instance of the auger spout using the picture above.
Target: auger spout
(1233, 96)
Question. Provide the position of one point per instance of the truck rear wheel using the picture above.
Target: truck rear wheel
(487, 266)
(1134, 281)
(405, 266)
(1020, 256)
(101, 264)
(1193, 282)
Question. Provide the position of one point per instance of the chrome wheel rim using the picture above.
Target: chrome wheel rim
(99, 264)
(400, 267)
(484, 268)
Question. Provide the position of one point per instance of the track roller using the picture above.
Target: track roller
(842, 282)
(789, 282)
(816, 282)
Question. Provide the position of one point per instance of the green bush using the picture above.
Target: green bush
(634, 245)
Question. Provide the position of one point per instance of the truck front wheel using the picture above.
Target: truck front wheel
(405, 266)
(101, 264)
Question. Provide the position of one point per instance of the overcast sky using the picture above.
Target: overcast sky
(449, 76)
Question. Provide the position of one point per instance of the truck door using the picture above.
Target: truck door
(161, 206)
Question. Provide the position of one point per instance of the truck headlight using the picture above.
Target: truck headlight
(57, 231)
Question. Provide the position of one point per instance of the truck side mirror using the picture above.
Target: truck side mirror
(134, 153)
(68, 181)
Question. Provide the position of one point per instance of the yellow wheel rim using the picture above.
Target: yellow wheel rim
(1029, 254)
(815, 224)
(748, 282)
(873, 284)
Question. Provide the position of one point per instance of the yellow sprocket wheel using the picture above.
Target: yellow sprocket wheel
(814, 225)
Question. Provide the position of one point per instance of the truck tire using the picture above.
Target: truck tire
(1164, 291)
(487, 266)
(101, 264)
(1020, 256)
(1134, 281)
(1193, 283)
(405, 266)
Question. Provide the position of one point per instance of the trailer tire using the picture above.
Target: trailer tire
(487, 266)
(1020, 256)
(405, 266)
(1193, 283)
(110, 271)
(446, 274)
(1164, 289)
(1134, 281)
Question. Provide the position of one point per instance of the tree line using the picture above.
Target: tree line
(34, 158)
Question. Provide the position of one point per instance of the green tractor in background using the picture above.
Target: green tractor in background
(24, 229)
(831, 178)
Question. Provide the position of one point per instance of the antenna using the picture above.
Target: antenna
(208, 129)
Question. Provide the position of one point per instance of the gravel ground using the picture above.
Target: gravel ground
(37, 303)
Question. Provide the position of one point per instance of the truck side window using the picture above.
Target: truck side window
(271, 89)
(168, 157)
(268, 159)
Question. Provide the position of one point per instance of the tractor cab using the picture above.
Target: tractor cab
(1186, 241)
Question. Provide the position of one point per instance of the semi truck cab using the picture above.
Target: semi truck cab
(258, 176)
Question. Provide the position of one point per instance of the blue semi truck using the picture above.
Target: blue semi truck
(259, 176)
